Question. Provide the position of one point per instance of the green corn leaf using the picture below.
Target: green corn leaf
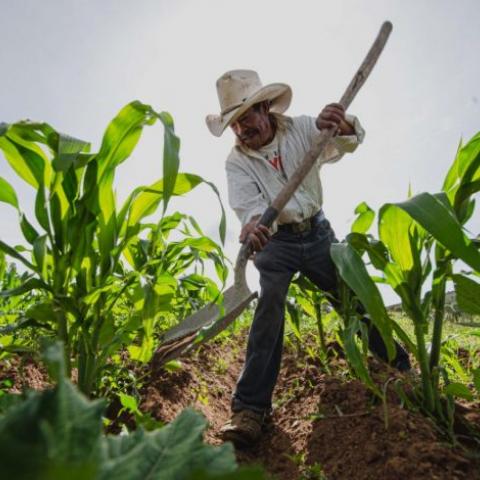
(7, 193)
(427, 209)
(355, 357)
(70, 184)
(58, 223)
(40, 252)
(28, 286)
(223, 220)
(459, 390)
(23, 322)
(43, 312)
(28, 229)
(394, 229)
(68, 150)
(364, 220)
(17, 162)
(375, 249)
(148, 198)
(352, 269)
(13, 253)
(171, 160)
(465, 168)
(467, 293)
(121, 136)
(107, 220)
(476, 379)
(41, 211)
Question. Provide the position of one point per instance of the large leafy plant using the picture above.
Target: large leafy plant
(57, 434)
(90, 258)
(419, 242)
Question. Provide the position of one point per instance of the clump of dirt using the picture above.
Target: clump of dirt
(23, 373)
(323, 424)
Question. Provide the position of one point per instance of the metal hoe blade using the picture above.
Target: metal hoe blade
(211, 320)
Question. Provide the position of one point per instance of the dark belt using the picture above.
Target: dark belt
(303, 226)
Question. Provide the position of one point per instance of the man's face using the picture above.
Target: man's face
(254, 128)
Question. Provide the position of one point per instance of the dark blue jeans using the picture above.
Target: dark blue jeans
(283, 256)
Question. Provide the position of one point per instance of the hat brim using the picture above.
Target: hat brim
(279, 94)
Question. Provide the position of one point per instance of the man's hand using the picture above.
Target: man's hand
(333, 116)
(259, 235)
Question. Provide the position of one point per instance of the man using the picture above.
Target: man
(269, 148)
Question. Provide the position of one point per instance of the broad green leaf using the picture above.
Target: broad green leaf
(58, 222)
(467, 293)
(121, 136)
(21, 135)
(394, 229)
(352, 269)
(7, 193)
(41, 211)
(427, 209)
(223, 220)
(364, 220)
(39, 253)
(28, 286)
(174, 451)
(171, 160)
(94, 294)
(375, 249)
(58, 431)
(464, 168)
(307, 306)
(42, 312)
(17, 161)
(107, 220)
(13, 253)
(129, 403)
(68, 150)
(28, 229)
(355, 357)
(459, 390)
(476, 379)
(146, 202)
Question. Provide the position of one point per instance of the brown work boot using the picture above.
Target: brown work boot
(244, 428)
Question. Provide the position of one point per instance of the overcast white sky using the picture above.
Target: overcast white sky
(74, 64)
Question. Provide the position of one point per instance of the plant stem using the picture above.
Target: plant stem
(439, 303)
(427, 387)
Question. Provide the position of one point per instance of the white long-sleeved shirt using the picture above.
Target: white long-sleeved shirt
(253, 182)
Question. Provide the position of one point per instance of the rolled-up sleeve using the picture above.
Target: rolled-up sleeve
(342, 144)
(244, 196)
(349, 143)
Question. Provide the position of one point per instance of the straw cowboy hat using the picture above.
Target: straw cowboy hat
(238, 90)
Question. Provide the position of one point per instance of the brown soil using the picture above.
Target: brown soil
(24, 373)
(321, 423)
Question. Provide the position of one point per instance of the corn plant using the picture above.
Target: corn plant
(306, 301)
(88, 257)
(419, 242)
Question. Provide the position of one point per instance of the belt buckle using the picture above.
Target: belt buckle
(302, 227)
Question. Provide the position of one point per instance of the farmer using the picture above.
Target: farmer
(269, 147)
